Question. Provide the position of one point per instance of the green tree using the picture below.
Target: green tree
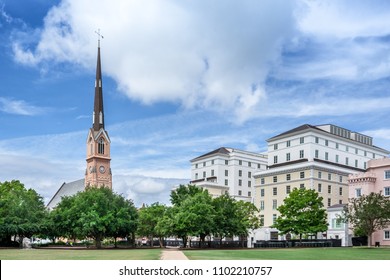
(192, 212)
(63, 219)
(149, 217)
(95, 213)
(166, 225)
(195, 215)
(182, 192)
(226, 222)
(125, 219)
(368, 213)
(302, 212)
(22, 211)
(247, 216)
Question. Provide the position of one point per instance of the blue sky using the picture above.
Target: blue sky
(181, 78)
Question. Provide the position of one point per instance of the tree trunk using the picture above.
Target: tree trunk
(115, 245)
(133, 239)
(21, 242)
(184, 238)
(369, 239)
(151, 241)
(160, 240)
(98, 242)
(243, 240)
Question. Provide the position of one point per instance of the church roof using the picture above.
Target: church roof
(67, 189)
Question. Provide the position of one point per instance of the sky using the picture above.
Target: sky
(180, 79)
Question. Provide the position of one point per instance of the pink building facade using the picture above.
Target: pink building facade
(375, 179)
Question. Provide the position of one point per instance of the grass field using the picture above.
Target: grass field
(360, 253)
(77, 254)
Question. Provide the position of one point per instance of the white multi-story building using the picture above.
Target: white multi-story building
(227, 170)
(315, 157)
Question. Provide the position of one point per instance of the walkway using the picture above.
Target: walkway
(173, 254)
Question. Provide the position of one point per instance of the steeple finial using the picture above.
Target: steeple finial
(99, 36)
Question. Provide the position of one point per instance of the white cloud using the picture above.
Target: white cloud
(7, 18)
(342, 106)
(345, 18)
(216, 57)
(340, 40)
(145, 190)
(199, 54)
(19, 107)
(383, 133)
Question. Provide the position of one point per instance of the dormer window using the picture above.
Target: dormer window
(101, 118)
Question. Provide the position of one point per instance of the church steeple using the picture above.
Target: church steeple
(98, 171)
(98, 112)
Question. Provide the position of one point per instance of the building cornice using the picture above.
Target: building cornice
(306, 165)
(310, 128)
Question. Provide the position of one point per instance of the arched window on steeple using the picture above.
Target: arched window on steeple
(101, 146)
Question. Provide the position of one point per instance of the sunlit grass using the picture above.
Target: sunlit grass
(358, 253)
(80, 254)
(361, 253)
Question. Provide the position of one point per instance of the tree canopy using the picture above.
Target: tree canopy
(182, 192)
(368, 213)
(196, 213)
(22, 211)
(95, 213)
(98, 213)
(148, 221)
(302, 212)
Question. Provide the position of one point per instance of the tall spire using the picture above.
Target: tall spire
(98, 112)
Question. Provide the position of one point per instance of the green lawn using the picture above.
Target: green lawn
(80, 254)
(361, 253)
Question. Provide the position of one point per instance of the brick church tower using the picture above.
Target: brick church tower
(98, 172)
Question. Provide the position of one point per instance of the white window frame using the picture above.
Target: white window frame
(274, 204)
(261, 204)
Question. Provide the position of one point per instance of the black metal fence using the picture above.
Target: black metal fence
(304, 243)
(295, 243)
(219, 244)
(205, 244)
(359, 241)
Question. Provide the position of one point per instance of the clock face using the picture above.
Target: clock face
(102, 169)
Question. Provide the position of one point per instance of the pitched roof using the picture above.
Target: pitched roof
(66, 189)
(297, 129)
(221, 150)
